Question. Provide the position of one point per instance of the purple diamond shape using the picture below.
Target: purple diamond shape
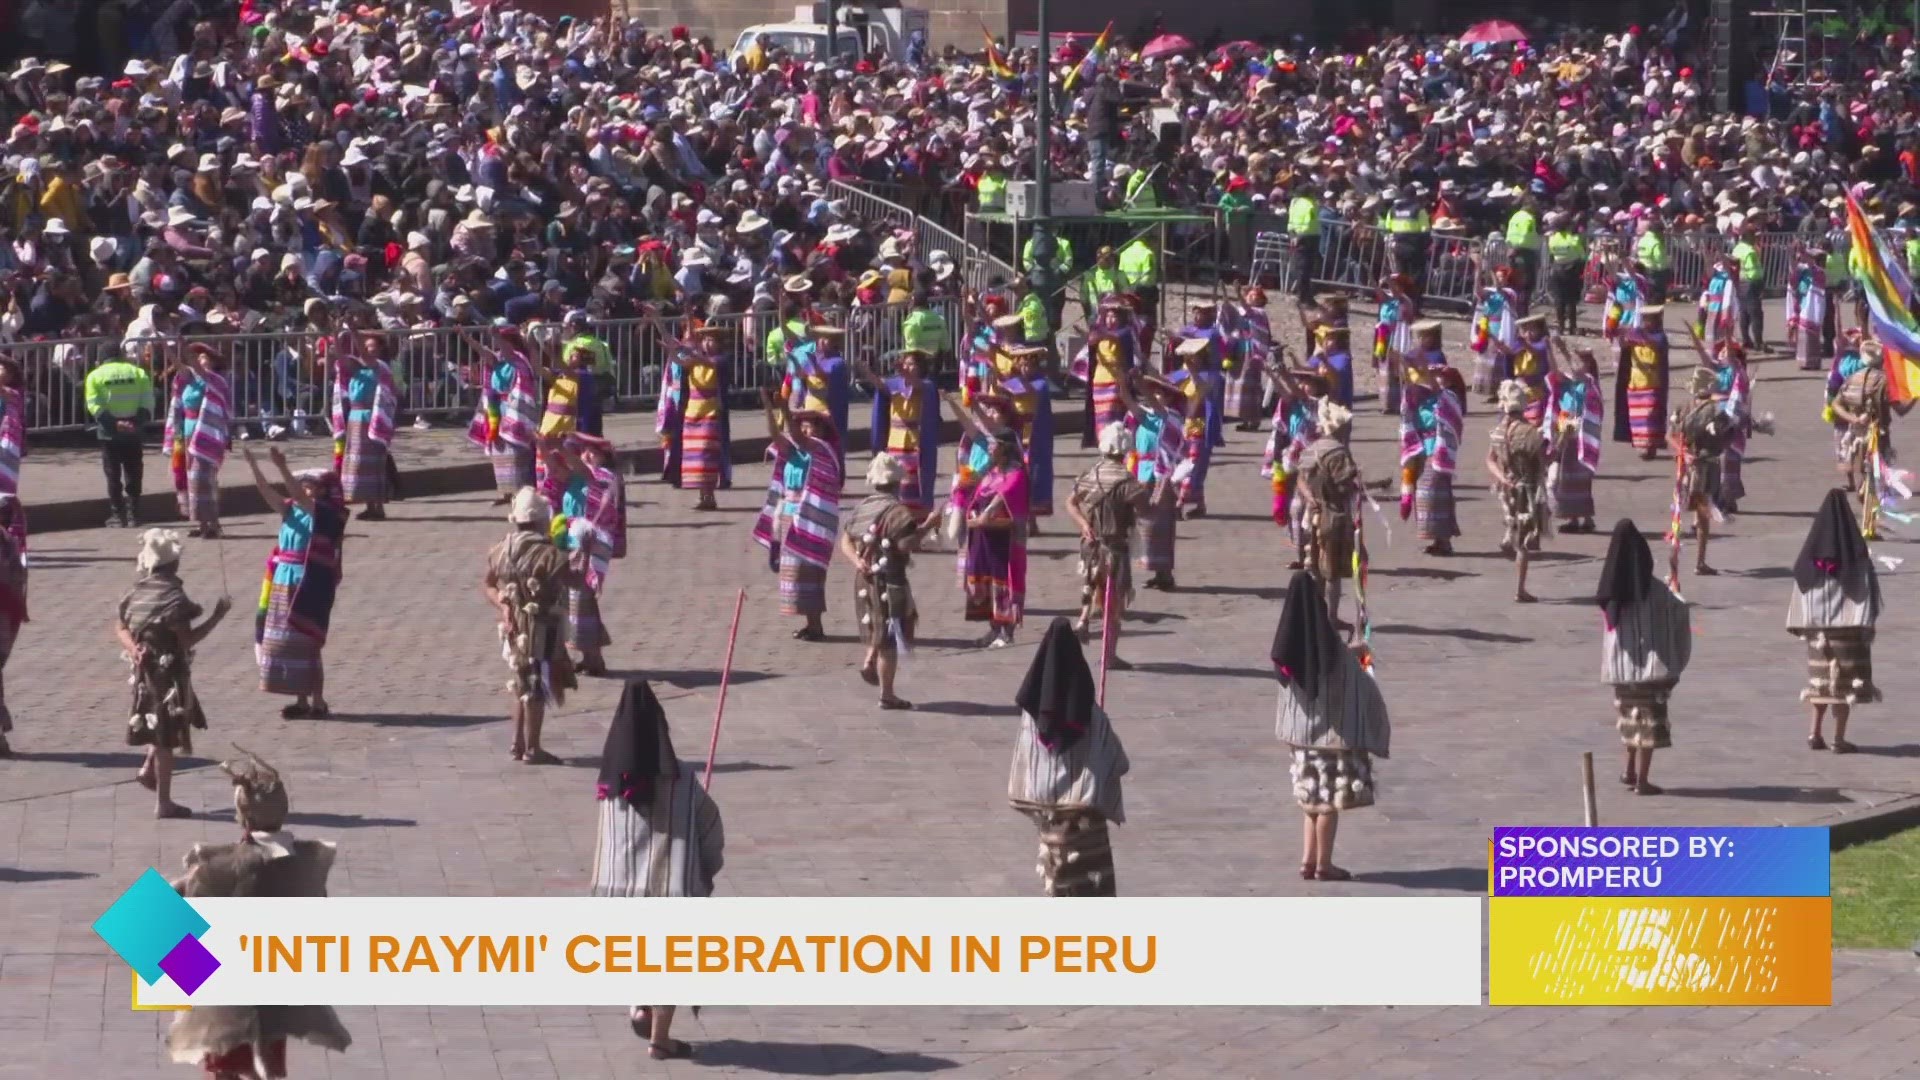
(189, 964)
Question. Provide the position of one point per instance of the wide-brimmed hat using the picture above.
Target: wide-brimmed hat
(798, 283)
(751, 222)
(477, 219)
(1427, 326)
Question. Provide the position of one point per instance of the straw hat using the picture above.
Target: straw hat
(529, 508)
(1427, 326)
(160, 547)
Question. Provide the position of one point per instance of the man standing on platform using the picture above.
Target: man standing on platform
(120, 400)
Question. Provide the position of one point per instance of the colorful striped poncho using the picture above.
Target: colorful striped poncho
(210, 437)
(381, 415)
(1294, 427)
(1720, 309)
(1591, 415)
(509, 409)
(1807, 303)
(813, 532)
(590, 519)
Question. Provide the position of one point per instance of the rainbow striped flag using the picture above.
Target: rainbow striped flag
(1001, 69)
(1090, 62)
(1888, 294)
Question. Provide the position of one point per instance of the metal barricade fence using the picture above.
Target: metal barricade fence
(282, 378)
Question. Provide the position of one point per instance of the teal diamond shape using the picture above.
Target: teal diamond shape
(146, 923)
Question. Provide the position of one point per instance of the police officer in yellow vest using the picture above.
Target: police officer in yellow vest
(1651, 252)
(991, 188)
(1104, 280)
(1566, 266)
(1523, 249)
(1139, 265)
(120, 400)
(1062, 256)
(1303, 237)
(1409, 230)
(1753, 312)
(1839, 281)
(792, 331)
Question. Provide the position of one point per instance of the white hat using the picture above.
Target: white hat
(101, 248)
(841, 234)
(477, 219)
(529, 508)
(751, 222)
(180, 215)
(1333, 416)
(885, 471)
(160, 547)
(260, 253)
(1115, 440)
(178, 150)
(417, 241)
(695, 257)
(890, 249)
(55, 227)
(353, 156)
(1192, 347)
(209, 163)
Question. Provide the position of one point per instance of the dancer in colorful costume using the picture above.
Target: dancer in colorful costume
(366, 408)
(1517, 460)
(1161, 415)
(1575, 415)
(588, 499)
(507, 423)
(800, 522)
(1496, 333)
(1393, 335)
(1807, 310)
(905, 425)
(199, 413)
(694, 422)
(301, 582)
(1640, 388)
(1431, 414)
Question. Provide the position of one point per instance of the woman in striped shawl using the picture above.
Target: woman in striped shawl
(13, 448)
(1431, 412)
(302, 579)
(1647, 643)
(1332, 718)
(156, 633)
(1835, 603)
(1807, 306)
(1575, 413)
(1067, 765)
(800, 522)
(366, 405)
(13, 610)
(1161, 414)
(588, 501)
(196, 436)
(506, 423)
(660, 832)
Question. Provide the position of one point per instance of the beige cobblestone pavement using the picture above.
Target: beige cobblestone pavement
(825, 795)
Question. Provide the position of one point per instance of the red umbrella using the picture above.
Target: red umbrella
(1165, 45)
(1492, 32)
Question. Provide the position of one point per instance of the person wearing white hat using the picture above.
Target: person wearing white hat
(879, 539)
(155, 628)
(526, 582)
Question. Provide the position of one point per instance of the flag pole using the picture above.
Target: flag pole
(726, 672)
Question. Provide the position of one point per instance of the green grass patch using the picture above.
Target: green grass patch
(1876, 893)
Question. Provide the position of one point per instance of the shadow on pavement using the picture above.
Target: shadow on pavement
(691, 678)
(104, 759)
(1433, 573)
(1764, 793)
(422, 720)
(813, 1059)
(1903, 750)
(964, 708)
(330, 821)
(1464, 633)
(1181, 667)
(1467, 879)
(13, 875)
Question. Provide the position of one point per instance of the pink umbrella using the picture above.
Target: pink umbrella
(1165, 45)
(1491, 32)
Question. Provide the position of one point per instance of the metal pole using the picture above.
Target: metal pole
(833, 35)
(1586, 785)
(1040, 276)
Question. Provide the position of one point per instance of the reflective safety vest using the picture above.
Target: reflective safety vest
(119, 390)
(1033, 319)
(1140, 193)
(1566, 246)
(1748, 257)
(1838, 270)
(1062, 254)
(1651, 251)
(1102, 283)
(1523, 229)
(993, 192)
(1407, 221)
(1303, 216)
(1136, 261)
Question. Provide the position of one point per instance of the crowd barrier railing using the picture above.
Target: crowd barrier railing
(282, 378)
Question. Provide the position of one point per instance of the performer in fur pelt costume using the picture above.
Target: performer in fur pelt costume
(232, 1042)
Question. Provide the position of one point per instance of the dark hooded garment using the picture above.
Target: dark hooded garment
(1627, 576)
(639, 748)
(1306, 647)
(1835, 550)
(1059, 691)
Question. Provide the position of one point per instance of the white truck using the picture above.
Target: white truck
(863, 28)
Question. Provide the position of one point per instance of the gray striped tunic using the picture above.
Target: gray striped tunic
(1650, 644)
(671, 849)
(1349, 713)
(1084, 775)
(1828, 607)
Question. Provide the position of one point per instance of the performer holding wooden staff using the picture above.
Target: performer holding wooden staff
(726, 676)
(1106, 503)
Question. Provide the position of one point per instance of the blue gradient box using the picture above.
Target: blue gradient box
(1673, 862)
